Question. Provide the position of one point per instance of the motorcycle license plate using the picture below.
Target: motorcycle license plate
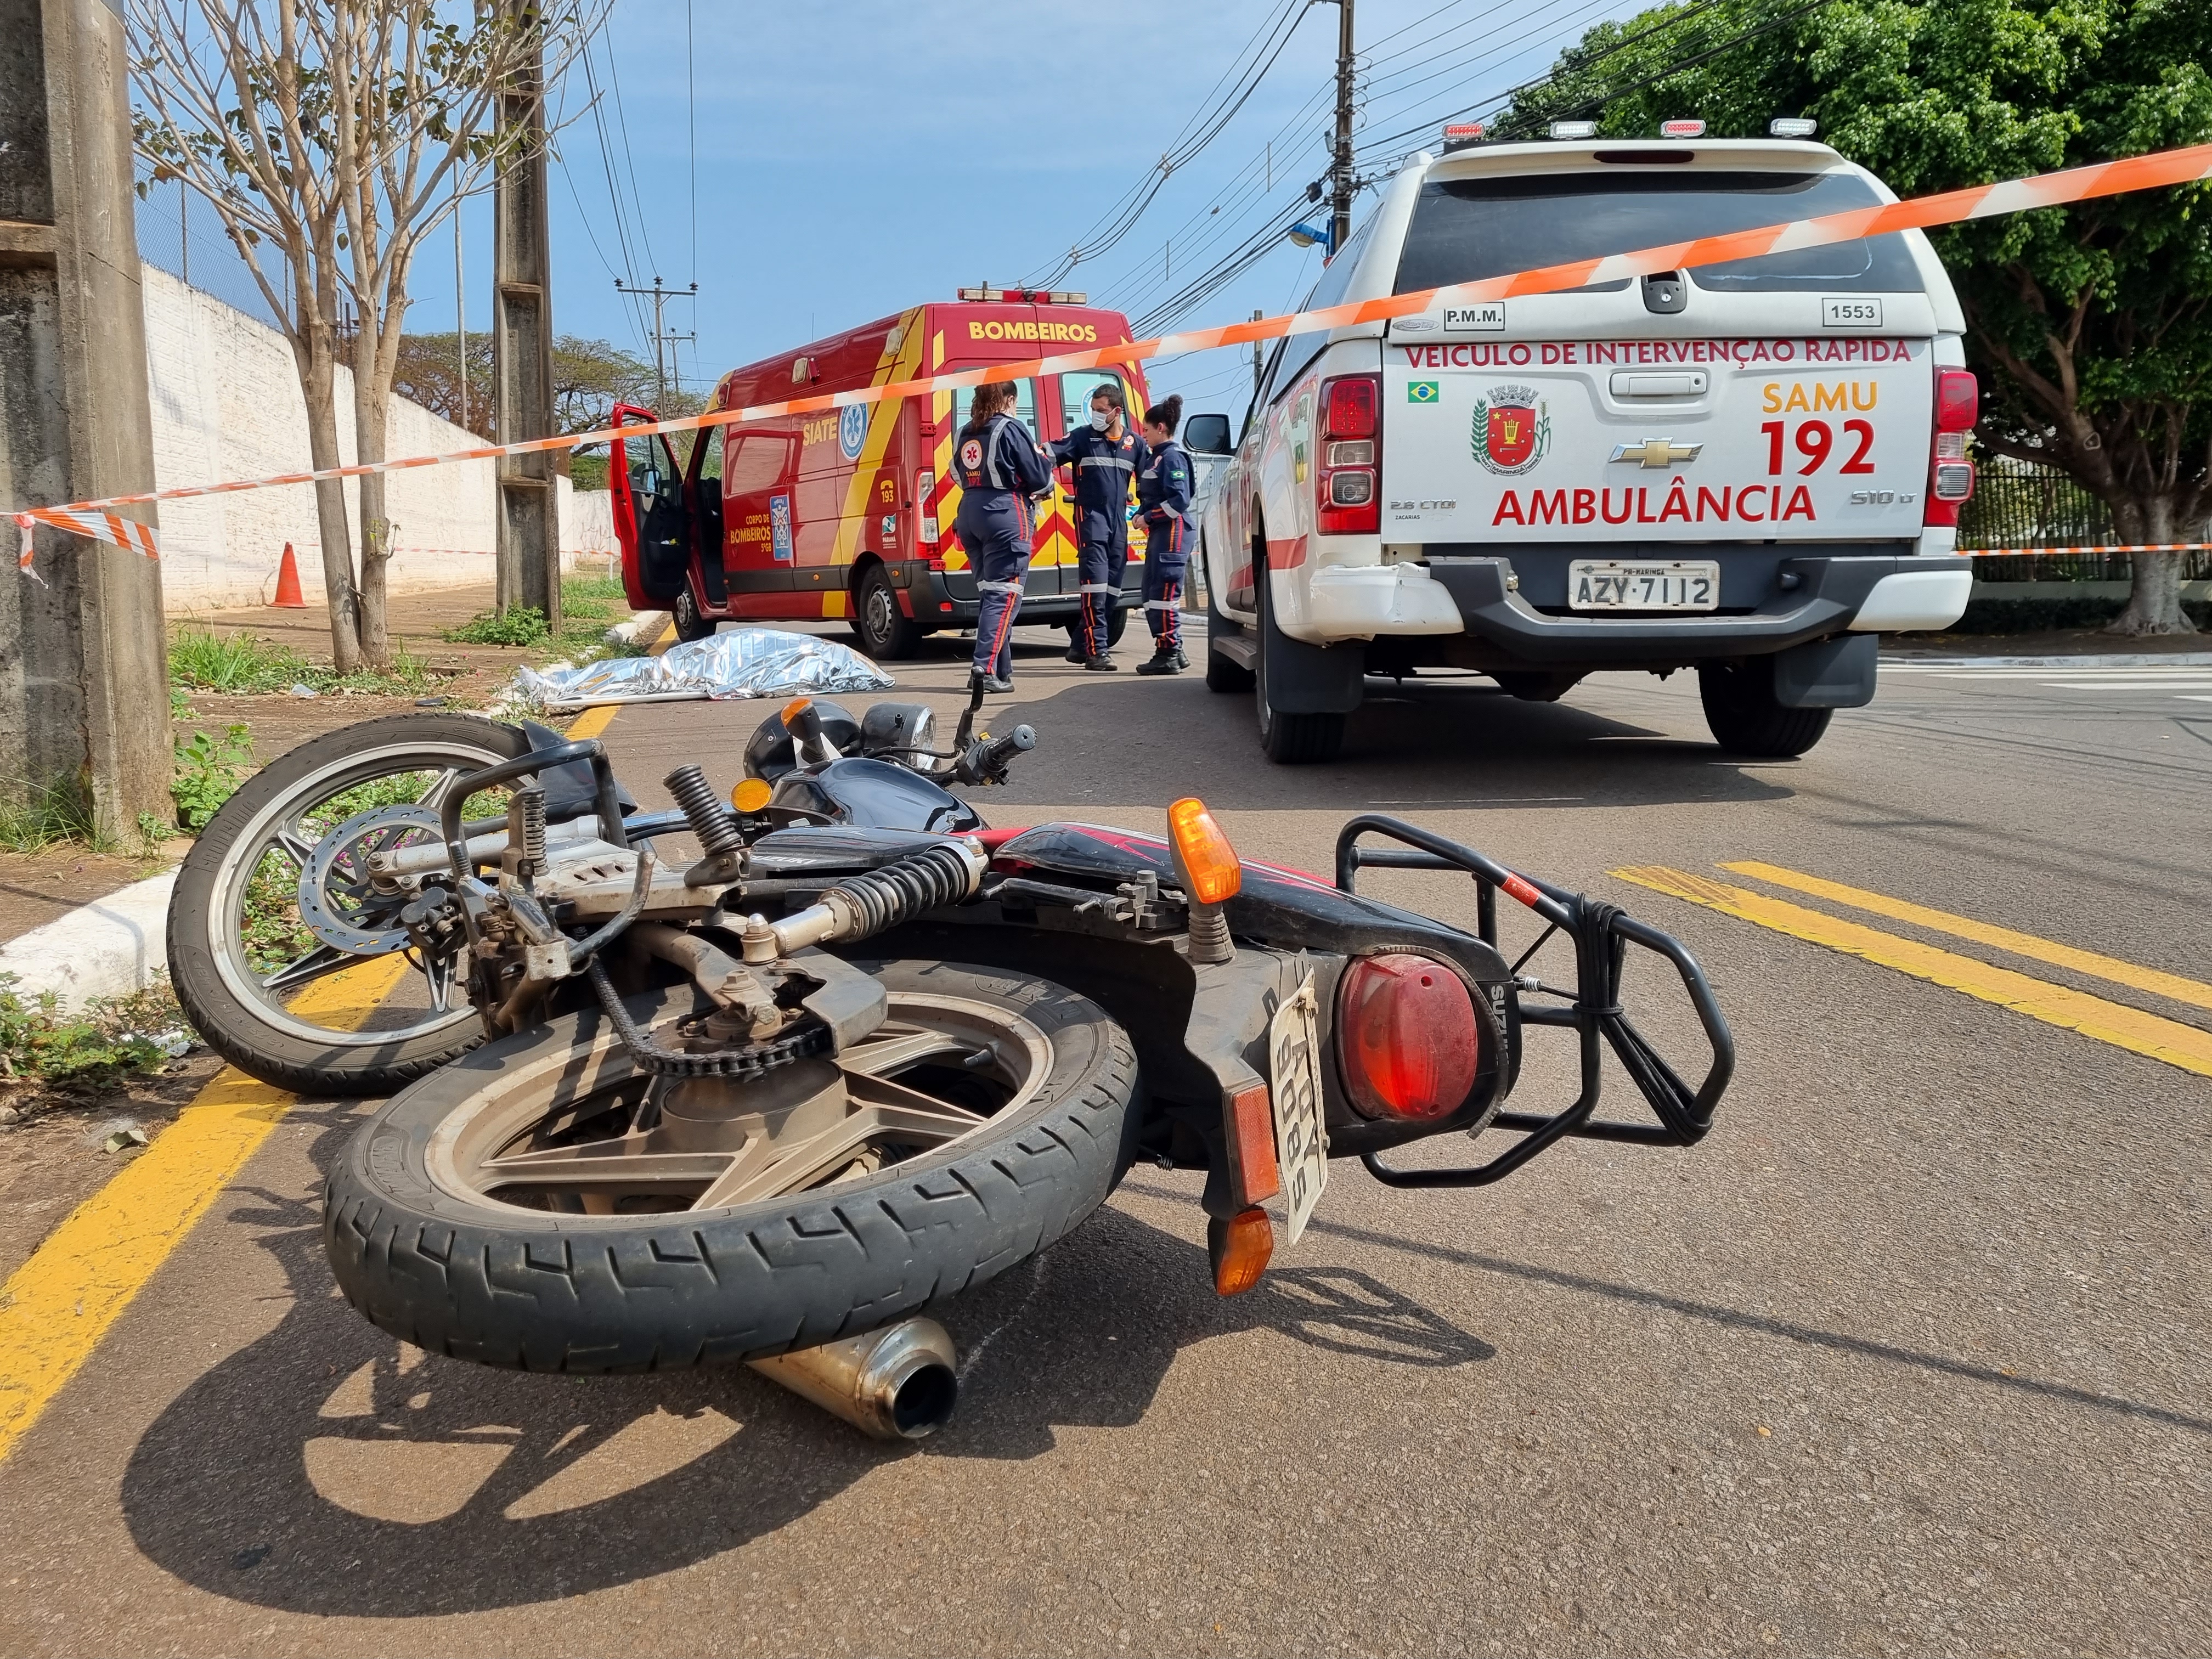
(1667, 585)
(1294, 1086)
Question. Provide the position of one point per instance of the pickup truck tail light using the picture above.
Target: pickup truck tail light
(1348, 482)
(1408, 1043)
(1950, 472)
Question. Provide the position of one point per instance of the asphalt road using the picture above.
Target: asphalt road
(1908, 1356)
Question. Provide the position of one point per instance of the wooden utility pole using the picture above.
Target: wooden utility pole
(1341, 218)
(528, 530)
(84, 702)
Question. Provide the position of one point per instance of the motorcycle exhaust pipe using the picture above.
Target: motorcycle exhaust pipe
(896, 1384)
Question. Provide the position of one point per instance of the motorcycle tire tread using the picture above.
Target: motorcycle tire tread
(538, 1291)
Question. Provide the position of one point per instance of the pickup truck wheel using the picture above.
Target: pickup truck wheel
(885, 631)
(1287, 739)
(1744, 717)
(691, 624)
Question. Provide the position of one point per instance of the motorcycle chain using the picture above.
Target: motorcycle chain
(753, 1060)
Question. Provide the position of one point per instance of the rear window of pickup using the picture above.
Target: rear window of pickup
(1465, 229)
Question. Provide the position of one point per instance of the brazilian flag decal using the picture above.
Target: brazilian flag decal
(1422, 391)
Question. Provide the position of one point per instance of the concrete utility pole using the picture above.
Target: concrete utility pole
(663, 341)
(1258, 362)
(84, 700)
(528, 532)
(1341, 218)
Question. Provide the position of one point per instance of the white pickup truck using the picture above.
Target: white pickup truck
(1747, 468)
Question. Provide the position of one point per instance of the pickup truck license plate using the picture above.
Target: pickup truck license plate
(1672, 584)
(1294, 1086)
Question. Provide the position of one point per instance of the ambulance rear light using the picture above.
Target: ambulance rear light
(1681, 128)
(1950, 471)
(1958, 400)
(924, 482)
(1792, 127)
(1460, 133)
(1572, 129)
(1347, 485)
(1025, 297)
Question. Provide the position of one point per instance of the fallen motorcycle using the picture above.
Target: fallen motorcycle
(862, 1053)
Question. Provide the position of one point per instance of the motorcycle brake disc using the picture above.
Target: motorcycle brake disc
(335, 901)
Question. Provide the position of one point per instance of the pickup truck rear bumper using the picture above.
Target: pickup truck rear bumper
(1811, 598)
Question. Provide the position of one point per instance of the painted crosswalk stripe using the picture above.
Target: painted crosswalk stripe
(2157, 1038)
(2194, 992)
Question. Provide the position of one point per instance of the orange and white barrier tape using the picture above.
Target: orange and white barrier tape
(2045, 552)
(2162, 167)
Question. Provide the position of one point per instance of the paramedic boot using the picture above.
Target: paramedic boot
(1102, 664)
(1168, 660)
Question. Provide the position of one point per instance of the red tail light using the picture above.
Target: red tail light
(924, 510)
(1950, 472)
(1409, 1041)
(1348, 482)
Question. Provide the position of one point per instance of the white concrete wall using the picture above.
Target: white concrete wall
(227, 405)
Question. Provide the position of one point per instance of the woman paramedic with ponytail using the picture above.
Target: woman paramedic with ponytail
(1163, 502)
(1000, 467)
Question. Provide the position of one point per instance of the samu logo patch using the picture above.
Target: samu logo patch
(1511, 429)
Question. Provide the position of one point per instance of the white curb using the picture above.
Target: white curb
(107, 948)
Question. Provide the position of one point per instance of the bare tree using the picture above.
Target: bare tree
(335, 136)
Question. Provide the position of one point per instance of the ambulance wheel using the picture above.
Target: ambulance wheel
(883, 629)
(1287, 739)
(1745, 718)
(692, 623)
(1117, 625)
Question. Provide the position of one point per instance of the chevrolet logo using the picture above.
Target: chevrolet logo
(1657, 452)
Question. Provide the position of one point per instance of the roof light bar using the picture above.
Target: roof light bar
(1792, 127)
(1681, 128)
(1572, 129)
(1033, 296)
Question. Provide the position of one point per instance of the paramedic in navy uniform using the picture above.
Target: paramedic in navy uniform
(1164, 503)
(1105, 455)
(1000, 467)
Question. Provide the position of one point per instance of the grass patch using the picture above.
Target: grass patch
(42, 1048)
(201, 659)
(588, 605)
(209, 772)
(49, 815)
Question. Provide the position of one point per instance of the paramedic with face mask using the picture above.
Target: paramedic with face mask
(1104, 456)
(1164, 488)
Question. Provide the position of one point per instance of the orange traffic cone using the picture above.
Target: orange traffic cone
(288, 597)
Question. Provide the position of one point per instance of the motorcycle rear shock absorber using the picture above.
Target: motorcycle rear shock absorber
(715, 825)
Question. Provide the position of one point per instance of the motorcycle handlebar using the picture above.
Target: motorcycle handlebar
(986, 762)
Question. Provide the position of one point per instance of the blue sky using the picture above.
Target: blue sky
(852, 158)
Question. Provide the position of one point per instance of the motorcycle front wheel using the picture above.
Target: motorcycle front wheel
(274, 903)
(543, 1204)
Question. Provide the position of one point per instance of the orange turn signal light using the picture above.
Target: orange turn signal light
(794, 709)
(751, 794)
(1208, 861)
(1239, 1249)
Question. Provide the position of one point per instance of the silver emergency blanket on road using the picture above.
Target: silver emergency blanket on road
(746, 662)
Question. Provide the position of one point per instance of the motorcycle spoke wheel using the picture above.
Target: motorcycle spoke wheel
(937, 1070)
(270, 947)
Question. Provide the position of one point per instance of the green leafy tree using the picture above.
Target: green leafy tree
(2089, 325)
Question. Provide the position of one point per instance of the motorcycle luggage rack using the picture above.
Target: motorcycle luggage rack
(1601, 934)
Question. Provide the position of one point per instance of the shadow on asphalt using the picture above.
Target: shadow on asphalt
(327, 1469)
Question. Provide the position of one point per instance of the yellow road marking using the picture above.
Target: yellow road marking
(56, 1308)
(57, 1305)
(2131, 1028)
(2194, 992)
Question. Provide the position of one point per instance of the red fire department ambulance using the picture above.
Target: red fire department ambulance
(849, 513)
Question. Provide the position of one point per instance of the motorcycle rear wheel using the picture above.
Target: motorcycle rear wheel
(511, 1210)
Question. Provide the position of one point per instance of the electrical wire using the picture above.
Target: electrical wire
(1122, 219)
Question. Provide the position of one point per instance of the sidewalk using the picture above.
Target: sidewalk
(2178, 649)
